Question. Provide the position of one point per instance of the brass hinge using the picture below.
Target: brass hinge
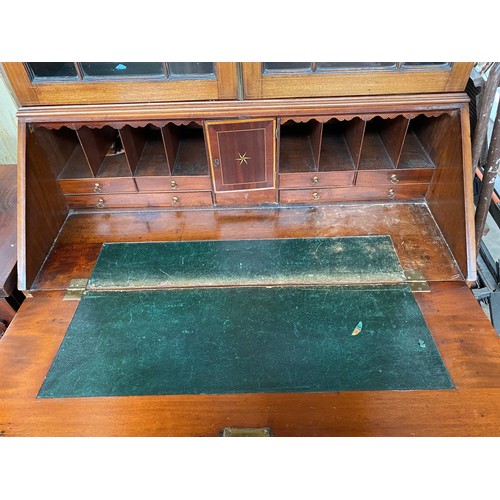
(416, 280)
(247, 432)
(75, 289)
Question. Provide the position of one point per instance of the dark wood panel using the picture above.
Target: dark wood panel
(450, 192)
(242, 154)
(391, 177)
(7, 313)
(39, 193)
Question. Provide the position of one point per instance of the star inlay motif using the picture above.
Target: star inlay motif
(243, 158)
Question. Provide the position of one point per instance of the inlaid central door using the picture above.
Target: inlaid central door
(243, 160)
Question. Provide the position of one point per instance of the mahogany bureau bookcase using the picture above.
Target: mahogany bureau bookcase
(159, 152)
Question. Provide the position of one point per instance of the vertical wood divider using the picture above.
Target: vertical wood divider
(171, 144)
(316, 139)
(393, 135)
(354, 135)
(133, 141)
(95, 144)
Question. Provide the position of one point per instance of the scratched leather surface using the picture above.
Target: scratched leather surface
(365, 259)
(246, 340)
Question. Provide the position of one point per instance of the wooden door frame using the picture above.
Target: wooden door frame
(29, 93)
(354, 82)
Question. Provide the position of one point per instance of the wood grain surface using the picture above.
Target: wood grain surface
(469, 346)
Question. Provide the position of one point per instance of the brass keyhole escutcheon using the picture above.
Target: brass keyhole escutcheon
(173, 185)
(175, 200)
(100, 203)
(315, 180)
(97, 188)
(394, 178)
(316, 195)
(216, 162)
(391, 194)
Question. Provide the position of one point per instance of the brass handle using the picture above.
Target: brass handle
(175, 200)
(394, 178)
(316, 196)
(391, 194)
(315, 180)
(216, 162)
(100, 203)
(97, 188)
(173, 184)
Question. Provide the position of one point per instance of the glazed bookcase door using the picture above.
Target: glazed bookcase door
(307, 79)
(120, 83)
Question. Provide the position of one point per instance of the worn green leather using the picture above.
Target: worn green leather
(246, 340)
(367, 259)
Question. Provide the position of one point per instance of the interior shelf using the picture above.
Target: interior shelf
(299, 146)
(191, 156)
(153, 160)
(414, 155)
(341, 144)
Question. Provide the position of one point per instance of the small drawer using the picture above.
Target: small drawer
(374, 193)
(394, 176)
(151, 200)
(98, 185)
(248, 197)
(174, 183)
(317, 179)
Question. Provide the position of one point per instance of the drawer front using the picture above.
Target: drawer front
(317, 179)
(174, 183)
(394, 177)
(253, 197)
(98, 185)
(377, 193)
(162, 200)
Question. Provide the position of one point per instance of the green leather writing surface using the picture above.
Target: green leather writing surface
(369, 259)
(246, 339)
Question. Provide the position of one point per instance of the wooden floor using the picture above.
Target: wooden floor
(468, 344)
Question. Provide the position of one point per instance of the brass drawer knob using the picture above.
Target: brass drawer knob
(97, 188)
(173, 184)
(100, 203)
(394, 178)
(315, 180)
(175, 200)
(391, 194)
(316, 195)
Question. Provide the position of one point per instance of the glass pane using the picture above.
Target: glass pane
(53, 69)
(287, 66)
(335, 66)
(190, 69)
(430, 64)
(122, 69)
